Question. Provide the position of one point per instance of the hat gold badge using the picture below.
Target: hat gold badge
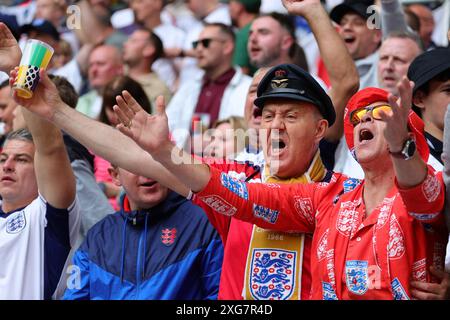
(281, 83)
(277, 82)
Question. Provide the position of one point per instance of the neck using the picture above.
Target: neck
(153, 21)
(215, 73)
(377, 183)
(434, 131)
(141, 68)
(11, 205)
(210, 7)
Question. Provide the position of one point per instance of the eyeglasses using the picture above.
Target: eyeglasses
(356, 115)
(205, 42)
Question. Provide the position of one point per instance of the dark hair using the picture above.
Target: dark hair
(412, 20)
(115, 88)
(441, 77)
(288, 24)
(425, 88)
(227, 30)
(65, 90)
(156, 43)
(299, 57)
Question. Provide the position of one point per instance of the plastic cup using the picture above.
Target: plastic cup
(37, 54)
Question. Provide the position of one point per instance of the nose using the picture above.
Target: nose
(277, 123)
(8, 165)
(367, 117)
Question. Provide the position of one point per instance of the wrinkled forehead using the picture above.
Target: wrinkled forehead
(277, 105)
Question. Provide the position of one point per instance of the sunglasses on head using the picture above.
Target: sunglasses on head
(205, 42)
(356, 115)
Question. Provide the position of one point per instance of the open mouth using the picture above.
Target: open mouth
(349, 39)
(257, 113)
(277, 146)
(148, 184)
(365, 135)
(254, 50)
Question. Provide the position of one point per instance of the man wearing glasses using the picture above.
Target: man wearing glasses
(219, 93)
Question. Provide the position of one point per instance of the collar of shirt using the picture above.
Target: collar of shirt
(435, 145)
(224, 78)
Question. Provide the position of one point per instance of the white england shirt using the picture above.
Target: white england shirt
(34, 244)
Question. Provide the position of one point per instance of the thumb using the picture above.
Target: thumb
(160, 105)
(44, 80)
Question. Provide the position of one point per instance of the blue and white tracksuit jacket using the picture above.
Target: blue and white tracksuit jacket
(167, 252)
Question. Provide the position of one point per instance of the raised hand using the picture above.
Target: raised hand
(396, 131)
(432, 291)
(300, 7)
(45, 98)
(10, 53)
(150, 132)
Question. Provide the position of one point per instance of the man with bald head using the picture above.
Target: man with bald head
(105, 63)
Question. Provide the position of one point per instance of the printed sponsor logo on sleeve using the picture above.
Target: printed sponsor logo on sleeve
(219, 205)
(269, 215)
(237, 187)
(431, 188)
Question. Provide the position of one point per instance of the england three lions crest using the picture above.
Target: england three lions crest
(357, 278)
(273, 274)
(16, 222)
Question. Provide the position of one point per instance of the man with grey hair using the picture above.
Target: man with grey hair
(39, 217)
(396, 53)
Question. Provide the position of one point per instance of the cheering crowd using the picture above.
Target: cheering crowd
(241, 149)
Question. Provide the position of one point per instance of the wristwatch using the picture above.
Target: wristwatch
(408, 150)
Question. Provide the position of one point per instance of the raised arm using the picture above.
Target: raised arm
(54, 175)
(101, 139)
(10, 53)
(412, 172)
(341, 69)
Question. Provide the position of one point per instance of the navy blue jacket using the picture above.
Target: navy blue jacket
(167, 252)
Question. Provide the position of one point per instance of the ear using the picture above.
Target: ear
(321, 128)
(378, 36)
(287, 42)
(149, 51)
(114, 173)
(229, 47)
(418, 99)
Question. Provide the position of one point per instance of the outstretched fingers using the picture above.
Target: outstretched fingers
(125, 109)
(132, 104)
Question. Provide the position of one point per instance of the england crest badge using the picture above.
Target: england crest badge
(16, 222)
(168, 236)
(273, 274)
(357, 278)
(397, 289)
(328, 292)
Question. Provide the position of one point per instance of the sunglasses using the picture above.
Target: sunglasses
(358, 114)
(205, 42)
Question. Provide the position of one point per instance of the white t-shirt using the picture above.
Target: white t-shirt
(34, 245)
